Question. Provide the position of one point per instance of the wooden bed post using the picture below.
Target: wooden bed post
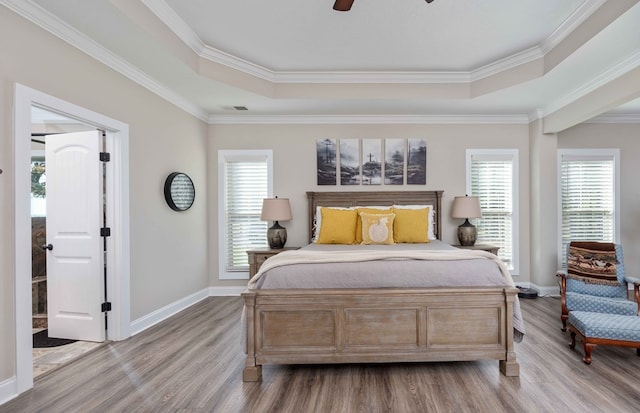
(509, 366)
(252, 371)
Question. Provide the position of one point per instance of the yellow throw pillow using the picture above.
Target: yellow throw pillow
(338, 226)
(432, 216)
(367, 210)
(411, 225)
(377, 228)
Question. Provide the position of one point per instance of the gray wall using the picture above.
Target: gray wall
(294, 154)
(168, 249)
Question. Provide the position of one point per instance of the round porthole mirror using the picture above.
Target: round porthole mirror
(179, 191)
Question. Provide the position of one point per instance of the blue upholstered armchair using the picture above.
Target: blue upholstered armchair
(592, 294)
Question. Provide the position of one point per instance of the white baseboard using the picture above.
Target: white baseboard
(167, 311)
(8, 389)
(225, 291)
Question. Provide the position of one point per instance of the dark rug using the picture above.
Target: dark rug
(41, 340)
(527, 293)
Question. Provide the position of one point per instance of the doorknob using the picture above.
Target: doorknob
(47, 247)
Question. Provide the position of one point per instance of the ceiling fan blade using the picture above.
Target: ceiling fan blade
(343, 5)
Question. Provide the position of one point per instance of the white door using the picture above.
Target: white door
(75, 259)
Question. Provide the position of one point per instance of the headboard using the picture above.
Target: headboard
(378, 198)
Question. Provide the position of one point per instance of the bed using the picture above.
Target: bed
(354, 323)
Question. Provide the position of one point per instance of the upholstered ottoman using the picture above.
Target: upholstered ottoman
(605, 329)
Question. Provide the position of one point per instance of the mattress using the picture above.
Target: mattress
(434, 264)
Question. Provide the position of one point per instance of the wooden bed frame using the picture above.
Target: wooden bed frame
(326, 326)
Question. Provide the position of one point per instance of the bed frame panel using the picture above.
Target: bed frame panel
(318, 326)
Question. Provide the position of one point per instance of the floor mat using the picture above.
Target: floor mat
(41, 340)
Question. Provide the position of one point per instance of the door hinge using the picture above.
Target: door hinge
(105, 232)
(105, 156)
(106, 307)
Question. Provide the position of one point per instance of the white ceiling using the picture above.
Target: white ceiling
(401, 35)
(395, 58)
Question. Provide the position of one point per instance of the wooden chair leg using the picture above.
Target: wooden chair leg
(588, 347)
(564, 318)
(638, 352)
(572, 344)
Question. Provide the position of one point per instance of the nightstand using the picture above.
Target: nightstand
(258, 256)
(484, 247)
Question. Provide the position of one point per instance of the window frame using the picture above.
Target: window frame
(601, 153)
(224, 156)
(501, 154)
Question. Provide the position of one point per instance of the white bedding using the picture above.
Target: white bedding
(434, 264)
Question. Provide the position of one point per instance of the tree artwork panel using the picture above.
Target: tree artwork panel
(326, 161)
(394, 161)
(349, 162)
(416, 162)
(372, 161)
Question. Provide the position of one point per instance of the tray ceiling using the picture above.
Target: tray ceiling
(382, 58)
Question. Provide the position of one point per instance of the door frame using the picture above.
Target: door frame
(117, 210)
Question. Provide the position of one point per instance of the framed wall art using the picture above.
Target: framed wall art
(372, 161)
(350, 162)
(416, 162)
(394, 161)
(326, 161)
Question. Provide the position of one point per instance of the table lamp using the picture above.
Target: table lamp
(466, 207)
(276, 209)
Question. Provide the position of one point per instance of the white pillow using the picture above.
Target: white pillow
(430, 232)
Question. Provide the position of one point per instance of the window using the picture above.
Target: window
(38, 185)
(492, 176)
(245, 179)
(588, 196)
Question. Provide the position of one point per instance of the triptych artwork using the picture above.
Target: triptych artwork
(391, 161)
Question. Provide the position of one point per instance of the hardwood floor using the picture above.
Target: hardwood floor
(47, 360)
(193, 363)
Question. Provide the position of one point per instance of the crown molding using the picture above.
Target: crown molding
(629, 118)
(507, 63)
(582, 13)
(70, 35)
(181, 29)
(366, 119)
(226, 59)
(372, 77)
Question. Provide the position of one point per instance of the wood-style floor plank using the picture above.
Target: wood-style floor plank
(193, 363)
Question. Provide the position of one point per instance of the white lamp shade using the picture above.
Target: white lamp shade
(466, 207)
(276, 209)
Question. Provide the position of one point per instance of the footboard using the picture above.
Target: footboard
(379, 325)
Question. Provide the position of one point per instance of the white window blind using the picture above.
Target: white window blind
(587, 197)
(246, 182)
(491, 177)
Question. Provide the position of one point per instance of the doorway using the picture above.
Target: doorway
(52, 346)
(117, 213)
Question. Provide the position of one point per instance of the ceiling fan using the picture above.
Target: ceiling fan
(345, 5)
